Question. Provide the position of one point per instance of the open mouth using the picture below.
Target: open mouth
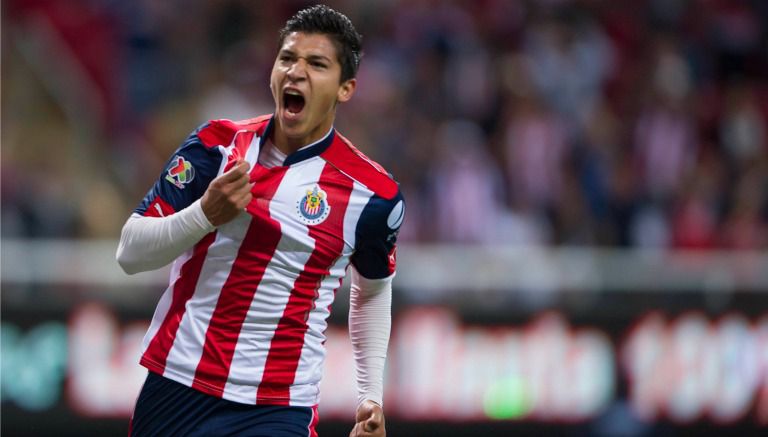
(293, 101)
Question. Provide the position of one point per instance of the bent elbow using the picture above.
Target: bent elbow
(126, 255)
(127, 258)
(129, 266)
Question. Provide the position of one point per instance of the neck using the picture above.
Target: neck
(289, 144)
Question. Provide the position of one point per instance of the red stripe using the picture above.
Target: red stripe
(342, 154)
(313, 424)
(255, 252)
(221, 132)
(258, 123)
(285, 349)
(159, 208)
(242, 141)
(156, 355)
(218, 133)
(392, 265)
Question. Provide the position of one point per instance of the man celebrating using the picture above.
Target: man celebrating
(261, 219)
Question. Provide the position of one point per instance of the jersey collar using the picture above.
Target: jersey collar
(304, 153)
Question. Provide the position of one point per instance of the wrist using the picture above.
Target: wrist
(199, 217)
(373, 399)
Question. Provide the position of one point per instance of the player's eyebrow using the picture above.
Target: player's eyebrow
(314, 57)
(310, 57)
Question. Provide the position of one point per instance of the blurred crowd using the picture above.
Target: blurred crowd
(557, 122)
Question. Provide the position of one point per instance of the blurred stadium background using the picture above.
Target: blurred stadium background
(587, 183)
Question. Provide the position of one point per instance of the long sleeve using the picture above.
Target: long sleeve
(370, 321)
(148, 243)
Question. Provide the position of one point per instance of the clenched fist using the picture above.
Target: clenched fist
(369, 421)
(228, 194)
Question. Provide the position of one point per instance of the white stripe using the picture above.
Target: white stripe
(269, 302)
(252, 154)
(358, 199)
(225, 151)
(188, 344)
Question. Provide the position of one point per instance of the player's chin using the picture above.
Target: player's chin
(293, 127)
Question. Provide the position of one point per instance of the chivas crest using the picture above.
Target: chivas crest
(313, 207)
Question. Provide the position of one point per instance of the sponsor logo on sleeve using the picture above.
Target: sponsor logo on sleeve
(180, 172)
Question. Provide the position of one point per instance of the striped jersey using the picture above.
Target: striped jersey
(244, 315)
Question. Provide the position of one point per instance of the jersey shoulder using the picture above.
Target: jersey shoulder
(343, 155)
(221, 132)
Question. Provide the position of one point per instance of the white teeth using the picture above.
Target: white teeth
(293, 92)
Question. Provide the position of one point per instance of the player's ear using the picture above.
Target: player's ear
(346, 90)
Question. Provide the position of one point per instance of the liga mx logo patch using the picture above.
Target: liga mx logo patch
(180, 172)
(313, 207)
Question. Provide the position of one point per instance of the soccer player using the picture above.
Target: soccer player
(262, 219)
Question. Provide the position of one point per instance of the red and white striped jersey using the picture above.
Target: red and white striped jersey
(244, 315)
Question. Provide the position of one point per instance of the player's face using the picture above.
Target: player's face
(306, 85)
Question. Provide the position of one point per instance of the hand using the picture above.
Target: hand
(228, 194)
(369, 421)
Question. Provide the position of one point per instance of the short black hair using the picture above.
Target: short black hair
(324, 20)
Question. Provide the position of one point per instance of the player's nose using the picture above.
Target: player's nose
(297, 70)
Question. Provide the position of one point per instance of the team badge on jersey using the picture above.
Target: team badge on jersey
(313, 207)
(180, 172)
